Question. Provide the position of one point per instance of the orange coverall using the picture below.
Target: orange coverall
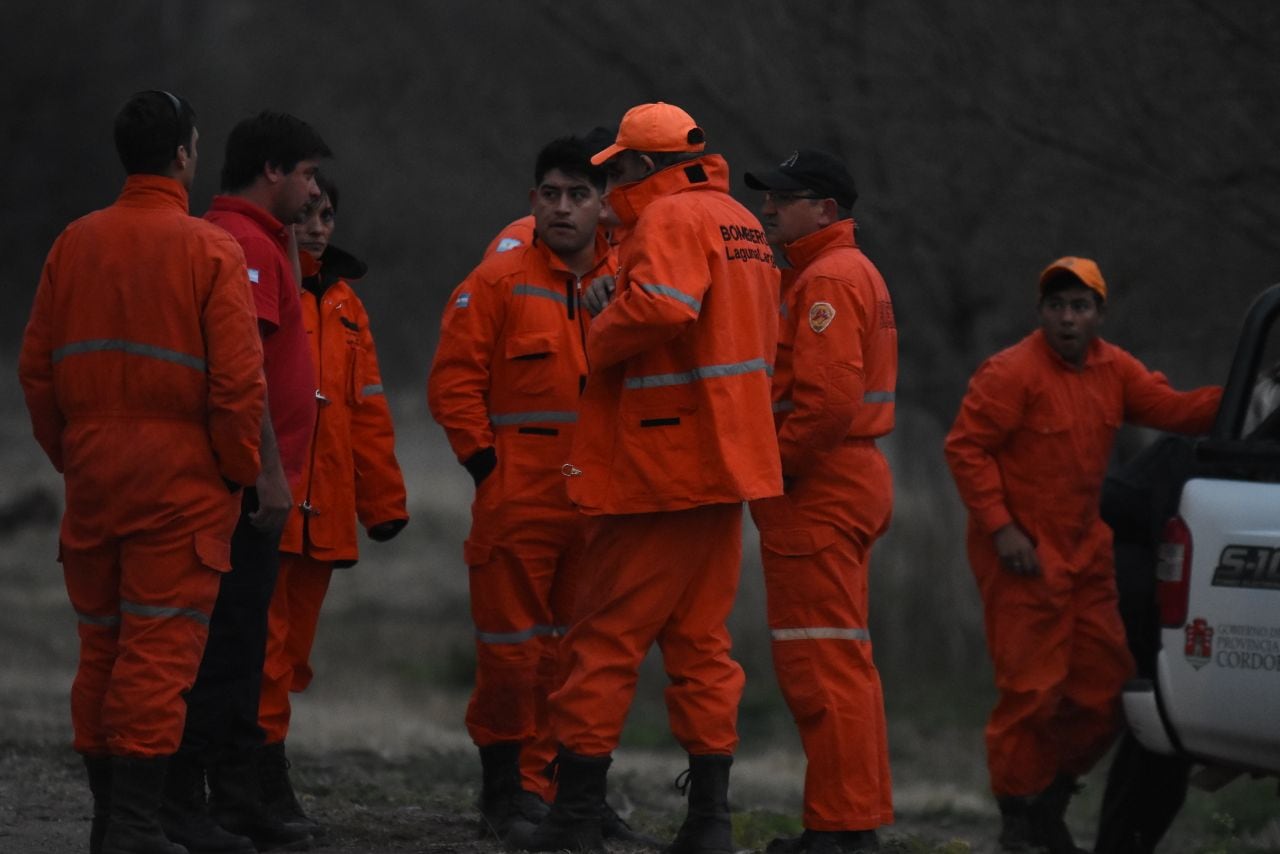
(142, 370)
(517, 233)
(1030, 445)
(833, 395)
(507, 376)
(675, 432)
(351, 474)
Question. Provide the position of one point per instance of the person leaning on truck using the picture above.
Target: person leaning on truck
(1029, 451)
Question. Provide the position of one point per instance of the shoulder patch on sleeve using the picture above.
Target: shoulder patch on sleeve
(506, 244)
(820, 316)
(254, 275)
(462, 301)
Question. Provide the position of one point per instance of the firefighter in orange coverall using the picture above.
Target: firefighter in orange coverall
(146, 392)
(675, 431)
(1029, 452)
(351, 474)
(504, 385)
(833, 393)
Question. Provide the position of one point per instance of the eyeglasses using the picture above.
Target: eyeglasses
(779, 197)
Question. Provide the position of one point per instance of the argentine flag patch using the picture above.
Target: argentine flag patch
(463, 301)
(253, 275)
(506, 244)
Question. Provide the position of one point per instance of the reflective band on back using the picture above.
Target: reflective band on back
(90, 619)
(878, 397)
(784, 405)
(709, 372)
(517, 637)
(675, 294)
(820, 633)
(131, 347)
(160, 611)
(535, 291)
(371, 390)
(532, 417)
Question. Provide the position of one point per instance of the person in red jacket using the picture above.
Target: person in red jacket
(675, 431)
(1029, 451)
(833, 396)
(268, 181)
(504, 384)
(146, 392)
(351, 474)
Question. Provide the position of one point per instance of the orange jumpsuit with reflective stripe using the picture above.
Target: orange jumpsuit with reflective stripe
(675, 432)
(833, 395)
(1030, 445)
(142, 370)
(351, 475)
(506, 379)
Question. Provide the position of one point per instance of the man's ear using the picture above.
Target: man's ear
(830, 212)
(272, 172)
(533, 198)
(649, 166)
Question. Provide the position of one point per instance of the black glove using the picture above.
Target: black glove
(384, 531)
(481, 464)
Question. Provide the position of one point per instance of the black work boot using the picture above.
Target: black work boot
(574, 821)
(841, 841)
(278, 797)
(235, 802)
(184, 813)
(503, 798)
(1048, 812)
(1017, 830)
(133, 826)
(707, 828)
(99, 768)
(615, 827)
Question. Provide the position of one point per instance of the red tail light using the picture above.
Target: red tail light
(1173, 573)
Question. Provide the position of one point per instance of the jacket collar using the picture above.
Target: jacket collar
(800, 253)
(603, 252)
(708, 172)
(247, 209)
(154, 191)
(335, 265)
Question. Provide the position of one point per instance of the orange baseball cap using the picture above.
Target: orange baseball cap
(1082, 268)
(654, 127)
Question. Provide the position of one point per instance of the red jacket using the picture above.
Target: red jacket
(351, 470)
(142, 366)
(676, 412)
(837, 362)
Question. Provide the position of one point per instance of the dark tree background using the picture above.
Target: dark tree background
(987, 139)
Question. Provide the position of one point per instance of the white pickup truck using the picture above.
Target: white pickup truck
(1215, 695)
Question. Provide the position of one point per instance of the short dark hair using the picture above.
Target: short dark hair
(276, 139)
(1061, 280)
(572, 156)
(149, 128)
(328, 188)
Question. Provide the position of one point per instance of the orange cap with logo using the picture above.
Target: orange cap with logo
(1082, 268)
(654, 127)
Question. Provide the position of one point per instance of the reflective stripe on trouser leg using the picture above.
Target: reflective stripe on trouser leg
(668, 578)
(291, 631)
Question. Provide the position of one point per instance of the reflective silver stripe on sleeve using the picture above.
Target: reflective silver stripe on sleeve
(708, 372)
(675, 293)
(820, 633)
(517, 637)
(784, 405)
(535, 291)
(878, 397)
(131, 347)
(506, 418)
(93, 620)
(371, 390)
(161, 611)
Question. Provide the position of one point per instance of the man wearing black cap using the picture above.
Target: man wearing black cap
(833, 396)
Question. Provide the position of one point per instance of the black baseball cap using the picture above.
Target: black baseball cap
(806, 169)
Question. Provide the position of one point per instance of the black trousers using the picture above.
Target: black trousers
(222, 706)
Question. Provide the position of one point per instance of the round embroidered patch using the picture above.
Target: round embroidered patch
(820, 315)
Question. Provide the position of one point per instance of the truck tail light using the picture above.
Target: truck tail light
(1173, 573)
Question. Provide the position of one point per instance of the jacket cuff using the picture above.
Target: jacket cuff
(993, 519)
(481, 464)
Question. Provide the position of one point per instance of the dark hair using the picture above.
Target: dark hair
(1061, 280)
(572, 156)
(328, 188)
(276, 139)
(149, 128)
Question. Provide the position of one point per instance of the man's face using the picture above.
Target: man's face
(315, 231)
(627, 168)
(295, 191)
(788, 215)
(566, 210)
(1070, 319)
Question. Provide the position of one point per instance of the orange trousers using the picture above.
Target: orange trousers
(1058, 648)
(668, 578)
(815, 544)
(143, 604)
(291, 632)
